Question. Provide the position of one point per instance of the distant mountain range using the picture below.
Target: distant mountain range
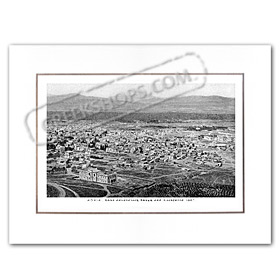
(188, 104)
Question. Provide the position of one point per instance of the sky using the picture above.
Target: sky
(225, 90)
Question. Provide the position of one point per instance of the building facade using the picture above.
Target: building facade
(95, 175)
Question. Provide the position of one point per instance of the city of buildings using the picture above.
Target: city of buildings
(97, 154)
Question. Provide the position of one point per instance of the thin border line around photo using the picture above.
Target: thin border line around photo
(76, 74)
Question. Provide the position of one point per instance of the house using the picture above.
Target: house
(96, 175)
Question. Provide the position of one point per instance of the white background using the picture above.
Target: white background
(252, 227)
(129, 22)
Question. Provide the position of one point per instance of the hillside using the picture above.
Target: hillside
(189, 104)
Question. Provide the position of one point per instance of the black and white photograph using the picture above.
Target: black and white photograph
(141, 144)
(141, 140)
